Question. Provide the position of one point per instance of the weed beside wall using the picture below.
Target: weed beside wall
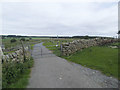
(12, 71)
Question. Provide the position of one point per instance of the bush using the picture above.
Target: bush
(30, 38)
(27, 40)
(22, 39)
(11, 72)
(13, 40)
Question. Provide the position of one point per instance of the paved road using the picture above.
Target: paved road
(50, 71)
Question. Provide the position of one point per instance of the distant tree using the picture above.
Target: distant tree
(30, 38)
(27, 40)
(86, 37)
(3, 37)
(13, 40)
(22, 39)
(11, 35)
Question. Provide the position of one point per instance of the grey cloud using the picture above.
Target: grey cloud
(60, 18)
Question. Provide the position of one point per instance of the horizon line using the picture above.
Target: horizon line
(59, 35)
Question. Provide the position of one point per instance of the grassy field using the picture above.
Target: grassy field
(8, 45)
(22, 81)
(102, 58)
(6, 42)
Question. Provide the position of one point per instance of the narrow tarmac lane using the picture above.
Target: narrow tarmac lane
(50, 71)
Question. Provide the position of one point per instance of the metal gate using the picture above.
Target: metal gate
(42, 53)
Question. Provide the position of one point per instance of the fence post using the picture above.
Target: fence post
(29, 50)
(1, 54)
(61, 48)
(23, 50)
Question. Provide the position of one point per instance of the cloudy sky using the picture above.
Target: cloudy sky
(60, 18)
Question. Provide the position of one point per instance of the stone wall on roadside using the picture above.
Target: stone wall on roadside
(72, 47)
(17, 56)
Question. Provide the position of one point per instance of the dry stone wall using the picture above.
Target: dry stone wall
(17, 56)
(72, 47)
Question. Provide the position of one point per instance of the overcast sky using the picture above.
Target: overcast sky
(61, 18)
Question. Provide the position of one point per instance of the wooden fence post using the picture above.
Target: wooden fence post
(1, 54)
(61, 49)
(23, 50)
(29, 49)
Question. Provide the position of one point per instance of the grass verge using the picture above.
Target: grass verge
(16, 75)
(51, 46)
(23, 81)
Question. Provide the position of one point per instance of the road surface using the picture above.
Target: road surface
(50, 71)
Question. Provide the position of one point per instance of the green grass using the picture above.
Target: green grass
(102, 58)
(0, 75)
(13, 46)
(21, 78)
(32, 46)
(5, 53)
(40, 38)
(54, 49)
(116, 44)
(23, 81)
(8, 44)
(49, 43)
